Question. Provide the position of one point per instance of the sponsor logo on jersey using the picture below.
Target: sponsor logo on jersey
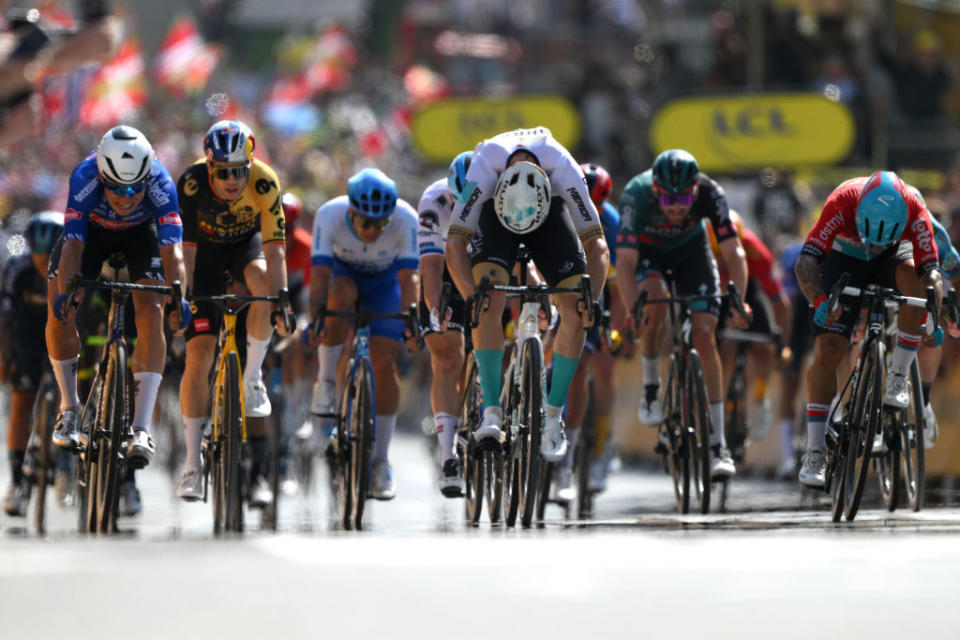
(172, 218)
(474, 196)
(158, 194)
(72, 214)
(429, 219)
(923, 235)
(190, 187)
(112, 225)
(581, 207)
(84, 193)
(201, 324)
(830, 227)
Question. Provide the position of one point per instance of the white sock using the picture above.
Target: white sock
(381, 444)
(786, 438)
(552, 411)
(256, 352)
(65, 371)
(447, 426)
(716, 423)
(328, 358)
(904, 352)
(573, 436)
(193, 435)
(495, 413)
(651, 370)
(145, 387)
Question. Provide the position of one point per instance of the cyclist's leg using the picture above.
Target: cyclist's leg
(909, 318)
(18, 432)
(800, 335)
(760, 360)
(259, 329)
(446, 361)
(195, 406)
(342, 296)
(600, 366)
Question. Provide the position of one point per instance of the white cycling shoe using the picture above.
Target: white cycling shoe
(897, 392)
(490, 428)
(931, 430)
(561, 489)
(553, 443)
(324, 398)
(190, 487)
(256, 401)
(651, 408)
(381, 482)
(813, 473)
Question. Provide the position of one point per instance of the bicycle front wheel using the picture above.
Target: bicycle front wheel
(361, 428)
(109, 430)
(473, 488)
(887, 463)
(911, 442)
(698, 426)
(673, 431)
(867, 409)
(44, 413)
(531, 394)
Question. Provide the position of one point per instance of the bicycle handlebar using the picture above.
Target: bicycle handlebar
(78, 282)
(366, 317)
(540, 293)
(929, 303)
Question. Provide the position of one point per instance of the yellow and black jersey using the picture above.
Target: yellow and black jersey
(208, 219)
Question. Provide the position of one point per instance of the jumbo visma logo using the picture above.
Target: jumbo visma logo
(727, 133)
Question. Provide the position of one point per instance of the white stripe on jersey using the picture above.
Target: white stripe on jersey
(435, 209)
(333, 237)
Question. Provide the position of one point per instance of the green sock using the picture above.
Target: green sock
(490, 367)
(563, 370)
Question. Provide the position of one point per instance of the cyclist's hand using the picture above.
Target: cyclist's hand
(279, 324)
(412, 340)
(587, 317)
(60, 307)
(742, 321)
(311, 340)
(935, 339)
(952, 329)
(822, 316)
(437, 324)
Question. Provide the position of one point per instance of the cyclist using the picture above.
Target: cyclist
(761, 281)
(859, 232)
(517, 185)
(121, 200)
(23, 312)
(661, 227)
(443, 328)
(232, 221)
(596, 359)
(365, 251)
(929, 357)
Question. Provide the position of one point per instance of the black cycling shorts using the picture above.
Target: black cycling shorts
(138, 245)
(458, 320)
(801, 336)
(882, 270)
(694, 270)
(213, 263)
(25, 371)
(554, 245)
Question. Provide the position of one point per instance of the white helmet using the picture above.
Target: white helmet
(522, 197)
(124, 156)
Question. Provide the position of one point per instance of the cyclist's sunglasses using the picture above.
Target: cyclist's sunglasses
(684, 199)
(371, 223)
(225, 173)
(123, 190)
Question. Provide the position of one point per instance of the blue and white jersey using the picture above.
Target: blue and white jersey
(949, 258)
(435, 208)
(334, 238)
(610, 221)
(87, 204)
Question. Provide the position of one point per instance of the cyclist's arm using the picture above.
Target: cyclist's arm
(627, 258)
(458, 262)
(431, 267)
(172, 257)
(276, 255)
(319, 285)
(70, 260)
(598, 263)
(189, 263)
(409, 287)
(782, 315)
(618, 312)
(807, 271)
(736, 259)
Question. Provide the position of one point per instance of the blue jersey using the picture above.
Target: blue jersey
(949, 258)
(87, 204)
(610, 221)
(789, 260)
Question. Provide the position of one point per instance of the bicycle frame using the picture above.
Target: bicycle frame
(227, 345)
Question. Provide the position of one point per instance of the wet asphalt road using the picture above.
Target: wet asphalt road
(773, 565)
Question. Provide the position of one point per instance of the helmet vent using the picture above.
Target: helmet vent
(893, 232)
(126, 154)
(880, 232)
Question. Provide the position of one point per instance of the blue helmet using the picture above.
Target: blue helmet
(229, 141)
(372, 193)
(457, 176)
(43, 231)
(881, 209)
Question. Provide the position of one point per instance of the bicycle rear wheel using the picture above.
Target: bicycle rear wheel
(698, 428)
(531, 394)
(86, 476)
(581, 461)
(863, 427)
(887, 464)
(911, 442)
(514, 450)
(473, 488)
(493, 482)
(361, 428)
(735, 422)
(673, 431)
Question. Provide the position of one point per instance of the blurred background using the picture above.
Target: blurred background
(780, 100)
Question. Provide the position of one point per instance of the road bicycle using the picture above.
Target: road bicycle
(683, 437)
(40, 464)
(105, 418)
(526, 478)
(354, 421)
(223, 445)
(851, 438)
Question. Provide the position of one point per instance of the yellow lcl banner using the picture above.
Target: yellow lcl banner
(729, 133)
(444, 129)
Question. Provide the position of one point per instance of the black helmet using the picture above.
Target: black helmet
(43, 231)
(675, 171)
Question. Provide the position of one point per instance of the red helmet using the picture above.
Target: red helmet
(598, 183)
(291, 209)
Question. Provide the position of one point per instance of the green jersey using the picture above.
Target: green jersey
(642, 223)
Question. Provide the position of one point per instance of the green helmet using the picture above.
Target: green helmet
(675, 171)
